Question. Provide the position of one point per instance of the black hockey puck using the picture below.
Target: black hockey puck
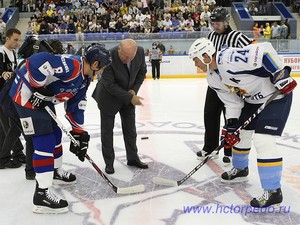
(144, 138)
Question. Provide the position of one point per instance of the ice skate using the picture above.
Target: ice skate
(268, 198)
(235, 175)
(61, 176)
(46, 202)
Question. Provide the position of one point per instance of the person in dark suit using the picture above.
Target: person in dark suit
(116, 92)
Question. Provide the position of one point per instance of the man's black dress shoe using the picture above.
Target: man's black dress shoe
(109, 169)
(137, 163)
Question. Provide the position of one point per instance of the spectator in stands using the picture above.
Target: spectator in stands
(267, 32)
(256, 33)
(145, 7)
(2, 30)
(206, 16)
(253, 10)
(63, 27)
(104, 26)
(44, 28)
(140, 16)
(197, 24)
(262, 7)
(133, 29)
(181, 24)
(190, 21)
(175, 23)
(123, 9)
(192, 8)
(52, 5)
(147, 22)
(284, 31)
(29, 28)
(167, 24)
(119, 25)
(189, 28)
(160, 24)
(92, 26)
(211, 4)
(186, 14)
(112, 25)
(127, 16)
(276, 30)
(154, 29)
(71, 27)
(126, 26)
(262, 30)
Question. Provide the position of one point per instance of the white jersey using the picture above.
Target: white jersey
(244, 74)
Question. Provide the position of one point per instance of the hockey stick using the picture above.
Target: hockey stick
(118, 190)
(167, 182)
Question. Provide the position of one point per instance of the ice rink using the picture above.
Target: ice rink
(172, 119)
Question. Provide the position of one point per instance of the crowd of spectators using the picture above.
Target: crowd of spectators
(133, 16)
(273, 31)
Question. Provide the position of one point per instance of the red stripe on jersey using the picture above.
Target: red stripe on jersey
(75, 126)
(34, 83)
(75, 71)
(58, 150)
(43, 162)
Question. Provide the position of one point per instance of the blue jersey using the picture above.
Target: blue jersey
(61, 74)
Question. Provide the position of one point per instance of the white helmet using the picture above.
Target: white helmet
(200, 47)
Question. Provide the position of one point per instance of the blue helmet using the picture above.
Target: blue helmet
(97, 52)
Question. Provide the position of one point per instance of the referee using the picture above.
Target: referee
(222, 36)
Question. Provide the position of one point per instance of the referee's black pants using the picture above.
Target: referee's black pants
(212, 112)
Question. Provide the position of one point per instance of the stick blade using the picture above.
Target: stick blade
(163, 181)
(131, 190)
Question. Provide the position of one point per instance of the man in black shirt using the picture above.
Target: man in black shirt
(11, 141)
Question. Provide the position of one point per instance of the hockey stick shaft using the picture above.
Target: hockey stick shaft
(163, 181)
(128, 190)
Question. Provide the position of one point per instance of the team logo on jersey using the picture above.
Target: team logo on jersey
(46, 69)
(27, 126)
(82, 105)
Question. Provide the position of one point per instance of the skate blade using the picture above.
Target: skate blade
(46, 210)
(236, 180)
(61, 182)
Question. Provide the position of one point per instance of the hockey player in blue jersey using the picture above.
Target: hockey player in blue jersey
(244, 78)
(55, 79)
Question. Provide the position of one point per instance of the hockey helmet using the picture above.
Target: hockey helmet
(97, 52)
(200, 47)
(219, 14)
(57, 46)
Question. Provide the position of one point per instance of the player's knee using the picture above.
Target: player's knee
(265, 145)
(246, 139)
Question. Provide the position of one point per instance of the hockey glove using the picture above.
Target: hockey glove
(283, 81)
(228, 136)
(82, 144)
(41, 97)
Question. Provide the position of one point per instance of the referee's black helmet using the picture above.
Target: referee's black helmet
(219, 14)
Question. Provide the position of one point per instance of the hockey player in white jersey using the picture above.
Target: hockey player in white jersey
(244, 78)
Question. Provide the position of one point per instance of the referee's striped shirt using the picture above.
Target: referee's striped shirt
(229, 38)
